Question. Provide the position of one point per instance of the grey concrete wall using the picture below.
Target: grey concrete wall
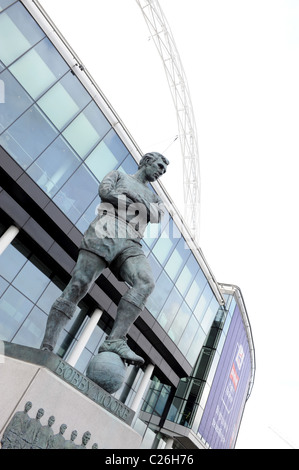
(21, 382)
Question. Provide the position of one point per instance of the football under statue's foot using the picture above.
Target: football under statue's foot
(120, 347)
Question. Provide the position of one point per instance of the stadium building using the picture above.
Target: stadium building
(59, 137)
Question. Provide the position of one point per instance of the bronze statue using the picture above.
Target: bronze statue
(44, 435)
(71, 443)
(85, 439)
(23, 432)
(13, 435)
(58, 441)
(113, 239)
(32, 430)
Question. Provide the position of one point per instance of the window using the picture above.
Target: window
(209, 315)
(3, 285)
(177, 260)
(15, 103)
(12, 262)
(170, 309)
(28, 136)
(196, 289)
(32, 330)
(31, 281)
(156, 267)
(18, 32)
(39, 68)
(165, 244)
(14, 308)
(156, 300)
(107, 155)
(129, 166)
(5, 3)
(88, 216)
(49, 295)
(179, 324)
(196, 346)
(187, 275)
(188, 335)
(203, 303)
(52, 169)
(153, 231)
(77, 193)
(87, 129)
(64, 100)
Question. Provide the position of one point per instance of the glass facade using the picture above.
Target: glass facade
(55, 131)
(192, 392)
(59, 136)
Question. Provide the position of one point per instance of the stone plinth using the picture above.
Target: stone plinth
(28, 374)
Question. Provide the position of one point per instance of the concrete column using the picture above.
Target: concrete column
(84, 337)
(142, 387)
(8, 237)
(169, 443)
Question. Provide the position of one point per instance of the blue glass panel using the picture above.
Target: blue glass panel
(153, 231)
(156, 300)
(16, 100)
(180, 322)
(77, 193)
(187, 275)
(129, 166)
(83, 360)
(39, 68)
(196, 289)
(2, 68)
(88, 216)
(5, 3)
(11, 263)
(3, 285)
(145, 248)
(209, 315)
(203, 302)
(170, 309)
(52, 169)
(18, 32)
(156, 267)
(95, 339)
(166, 243)
(28, 136)
(31, 281)
(107, 155)
(32, 330)
(195, 346)
(50, 294)
(64, 100)
(177, 259)
(188, 335)
(14, 307)
(87, 130)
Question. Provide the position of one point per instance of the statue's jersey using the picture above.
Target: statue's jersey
(115, 233)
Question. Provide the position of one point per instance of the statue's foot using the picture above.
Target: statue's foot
(120, 347)
(46, 347)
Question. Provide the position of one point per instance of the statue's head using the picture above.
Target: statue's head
(28, 405)
(86, 436)
(155, 164)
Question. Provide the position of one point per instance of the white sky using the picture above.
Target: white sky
(241, 61)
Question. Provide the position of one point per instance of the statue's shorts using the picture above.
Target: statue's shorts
(113, 241)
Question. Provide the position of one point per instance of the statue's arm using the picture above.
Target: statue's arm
(107, 190)
(155, 209)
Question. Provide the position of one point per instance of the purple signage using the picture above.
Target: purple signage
(223, 411)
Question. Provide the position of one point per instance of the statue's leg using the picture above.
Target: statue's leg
(137, 272)
(88, 267)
